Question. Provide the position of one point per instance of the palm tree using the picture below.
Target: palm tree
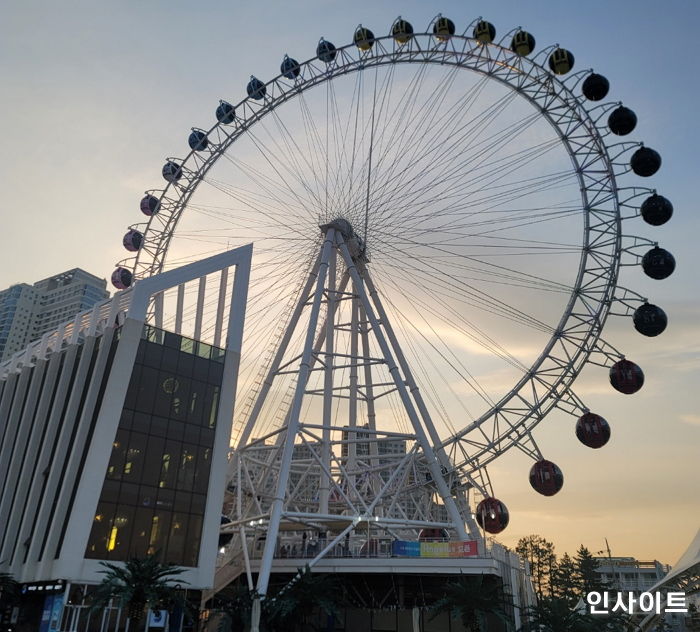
(9, 589)
(309, 592)
(137, 584)
(472, 598)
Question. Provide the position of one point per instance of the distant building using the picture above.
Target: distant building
(29, 311)
(627, 574)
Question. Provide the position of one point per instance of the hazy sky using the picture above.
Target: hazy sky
(96, 94)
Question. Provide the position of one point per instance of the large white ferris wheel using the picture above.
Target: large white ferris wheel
(439, 222)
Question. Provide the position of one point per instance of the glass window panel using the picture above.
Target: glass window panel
(194, 533)
(110, 491)
(168, 386)
(191, 434)
(177, 540)
(185, 364)
(169, 462)
(204, 350)
(201, 479)
(129, 494)
(182, 501)
(141, 422)
(120, 445)
(120, 536)
(178, 408)
(201, 368)
(216, 373)
(198, 393)
(206, 437)
(166, 499)
(212, 405)
(172, 340)
(159, 426)
(101, 527)
(152, 355)
(126, 419)
(169, 360)
(176, 430)
(133, 461)
(187, 345)
(187, 467)
(198, 504)
(141, 533)
(148, 386)
(152, 465)
(147, 496)
(160, 528)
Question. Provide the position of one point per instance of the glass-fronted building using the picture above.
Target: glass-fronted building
(114, 441)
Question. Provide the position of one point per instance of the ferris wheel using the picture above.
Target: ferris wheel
(455, 208)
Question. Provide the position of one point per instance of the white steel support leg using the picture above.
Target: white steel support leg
(413, 388)
(369, 394)
(352, 403)
(398, 379)
(277, 360)
(331, 299)
(293, 425)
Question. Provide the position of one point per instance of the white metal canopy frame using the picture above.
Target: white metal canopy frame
(457, 201)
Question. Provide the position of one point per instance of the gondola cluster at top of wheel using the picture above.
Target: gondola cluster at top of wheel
(650, 320)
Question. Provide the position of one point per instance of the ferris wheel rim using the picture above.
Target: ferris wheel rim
(490, 63)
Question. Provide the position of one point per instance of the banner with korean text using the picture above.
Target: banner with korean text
(404, 548)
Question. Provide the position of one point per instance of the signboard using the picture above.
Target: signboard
(404, 548)
(157, 618)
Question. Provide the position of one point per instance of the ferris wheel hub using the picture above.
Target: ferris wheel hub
(354, 242)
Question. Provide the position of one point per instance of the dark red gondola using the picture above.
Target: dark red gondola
(546, 478)
(592, 430)
(132, 240)
(626, 377)
(492, 515)
(150, 205)
(433, 535)
(122, 278)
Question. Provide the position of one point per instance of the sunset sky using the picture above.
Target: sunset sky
(96, 94)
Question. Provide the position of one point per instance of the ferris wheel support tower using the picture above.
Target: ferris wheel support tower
(341, 245)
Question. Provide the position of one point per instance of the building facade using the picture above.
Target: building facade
(29, 311)
(114, 438)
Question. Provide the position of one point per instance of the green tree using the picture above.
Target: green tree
(473, 598)
(566, 581)
(554, 614)
(137, 584)
(587, 569)
(543, 562)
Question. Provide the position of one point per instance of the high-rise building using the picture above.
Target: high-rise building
(29, 311)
